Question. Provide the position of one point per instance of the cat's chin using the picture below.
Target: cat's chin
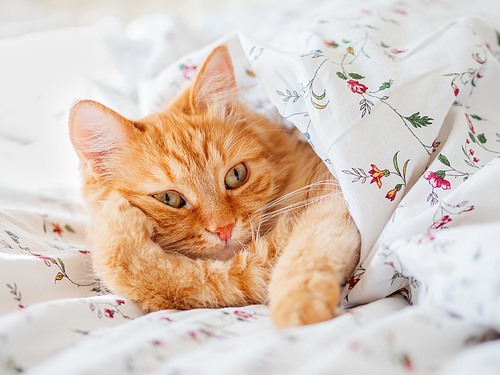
(226, 252)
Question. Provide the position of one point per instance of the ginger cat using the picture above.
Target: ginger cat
(207, 204)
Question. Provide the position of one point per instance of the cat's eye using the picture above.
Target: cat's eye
(170, 198)
(236, 177)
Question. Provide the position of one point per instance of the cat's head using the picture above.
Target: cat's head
(202, 170)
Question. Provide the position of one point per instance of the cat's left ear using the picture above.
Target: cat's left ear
(96, 132)
(215, 85)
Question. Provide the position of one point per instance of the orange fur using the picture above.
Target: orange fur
(291, 241)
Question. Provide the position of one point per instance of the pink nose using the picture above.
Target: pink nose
(224, 233)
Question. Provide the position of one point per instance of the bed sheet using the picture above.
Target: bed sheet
(400, 101)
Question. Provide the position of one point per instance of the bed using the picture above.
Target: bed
(400, 100)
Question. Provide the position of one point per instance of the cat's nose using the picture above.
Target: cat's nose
(224, 232)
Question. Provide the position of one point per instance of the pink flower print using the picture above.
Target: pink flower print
(188, 69)
(427, 237)
(443, 221)
(46, 260)
(436, 179)
(455, 89)
(243, 314)
(469, 122)
(356, 87)
(331, 44)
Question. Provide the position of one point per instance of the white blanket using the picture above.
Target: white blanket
(399, 98)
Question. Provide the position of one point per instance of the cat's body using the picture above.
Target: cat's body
(208, 204)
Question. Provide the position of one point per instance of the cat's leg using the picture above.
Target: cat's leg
(321, 252)
(131, 264)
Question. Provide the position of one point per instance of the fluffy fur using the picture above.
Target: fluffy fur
(292, 241)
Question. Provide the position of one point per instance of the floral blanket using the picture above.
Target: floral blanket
(400, 100)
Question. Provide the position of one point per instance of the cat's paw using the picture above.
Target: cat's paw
(303, 300)
(118, 223)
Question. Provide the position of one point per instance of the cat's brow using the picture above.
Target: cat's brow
(149, 188)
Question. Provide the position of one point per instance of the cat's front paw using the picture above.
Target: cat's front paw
(117, 227)
(303, 300)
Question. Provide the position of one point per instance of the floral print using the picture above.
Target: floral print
(356, 87)
(414, 145)
(436, 179)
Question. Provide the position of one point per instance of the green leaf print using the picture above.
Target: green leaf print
(356, 76)
(385, 85)
(62, 264)
(443, 159)
(418, 121)
(481, 138)
(342, 76)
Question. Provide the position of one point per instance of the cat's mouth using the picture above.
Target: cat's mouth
(229, 249)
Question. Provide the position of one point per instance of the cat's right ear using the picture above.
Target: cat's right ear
(215, 84)
(95, 132)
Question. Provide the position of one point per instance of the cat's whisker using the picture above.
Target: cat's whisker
(295, 206)
(312, 187)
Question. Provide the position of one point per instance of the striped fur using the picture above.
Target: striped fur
(293, 241)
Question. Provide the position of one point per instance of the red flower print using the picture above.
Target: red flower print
(396, 51)
(477, 59)
(331, 44)
(244, 314)
(438, 224)
(436, 179)
(471, 151)
(467, 141)
(455, 89)
(120, 301)
(353, 281)
(188, 70)
(46, 260)
(407, 362)
(377, 174)
(392, 193)
(109, 313)
(426, 237)
(57, 229)
(471, 127)
(356, 87)
(84, 251)
(476, 160)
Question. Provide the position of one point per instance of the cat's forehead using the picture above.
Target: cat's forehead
(180, 150)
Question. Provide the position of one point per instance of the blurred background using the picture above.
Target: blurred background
(22, 16)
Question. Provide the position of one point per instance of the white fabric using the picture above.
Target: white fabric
(398, 98)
